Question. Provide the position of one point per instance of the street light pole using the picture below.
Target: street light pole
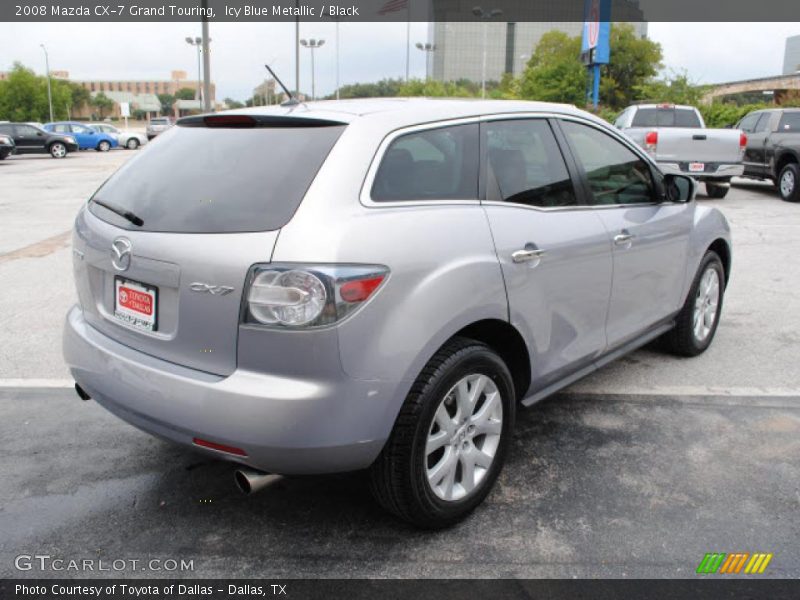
(485, 16)
(198, 43)
(429, 49)
(312, 44)
(49, 90)
(206, 61)
(337, 59)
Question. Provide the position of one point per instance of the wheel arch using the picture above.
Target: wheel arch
(723, 250)
(783, 159)
(507, 341)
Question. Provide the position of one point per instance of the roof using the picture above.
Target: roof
(406, 111)
(148, 102)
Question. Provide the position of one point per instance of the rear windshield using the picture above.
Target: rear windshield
(159, 121)
(666, 117)
(201, 180)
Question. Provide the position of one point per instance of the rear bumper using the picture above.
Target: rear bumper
(712, 170)
(284, 425)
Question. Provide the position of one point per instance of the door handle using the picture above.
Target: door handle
(527, 255)
(623, 239)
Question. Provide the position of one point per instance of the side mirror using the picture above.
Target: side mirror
(679, 188)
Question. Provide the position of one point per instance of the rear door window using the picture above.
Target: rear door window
(790, 121)
(525, 165)
(218, 180)
(434, 164)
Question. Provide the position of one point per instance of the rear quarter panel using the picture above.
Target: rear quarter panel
(709, 225)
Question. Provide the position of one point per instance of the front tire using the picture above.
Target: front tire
(58, 150)
(450, 439)
(715, 190)
(697, 322)
(789, 183)
(104, 146)
(132, 144)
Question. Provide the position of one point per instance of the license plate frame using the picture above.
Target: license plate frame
(131, 317)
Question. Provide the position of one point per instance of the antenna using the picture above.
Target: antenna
(292, 100)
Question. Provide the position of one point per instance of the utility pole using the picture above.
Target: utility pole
(49, 90)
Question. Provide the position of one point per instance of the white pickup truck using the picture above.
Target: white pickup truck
(677, 138)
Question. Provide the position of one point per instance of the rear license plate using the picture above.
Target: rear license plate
(136, 304)
(697, 167)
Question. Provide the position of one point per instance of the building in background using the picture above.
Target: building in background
(265, 93)
(177, 81)
(791, 55)
(459, 45)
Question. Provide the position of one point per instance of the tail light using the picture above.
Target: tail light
(742, 141)
(651, 141)
(308, 295)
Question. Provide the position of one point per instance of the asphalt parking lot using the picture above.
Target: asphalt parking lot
(636, 471)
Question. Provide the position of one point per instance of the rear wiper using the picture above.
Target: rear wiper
(120, 211)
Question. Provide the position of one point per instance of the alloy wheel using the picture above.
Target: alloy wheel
(464, 437)
(706, 304)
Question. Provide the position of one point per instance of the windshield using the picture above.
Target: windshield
(219, 180)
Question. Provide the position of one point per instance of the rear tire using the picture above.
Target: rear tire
(697, 322)
(57, 150)
(789, 183)
(450, 439)
(716, 190)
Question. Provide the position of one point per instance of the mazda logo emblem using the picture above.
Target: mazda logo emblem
(121, 253)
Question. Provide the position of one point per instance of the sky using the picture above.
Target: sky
(707, 52)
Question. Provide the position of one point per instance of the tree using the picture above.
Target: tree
(80, 95)
(554, 72)
(231, 103)
(167, 101)
(384, 88)
(23, 96)
(186, 94)
(102, 103)
(634, 61)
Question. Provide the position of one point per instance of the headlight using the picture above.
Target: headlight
(4, 140)
(308, 295)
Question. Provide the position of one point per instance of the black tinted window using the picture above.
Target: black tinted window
(6, 129)
(218, 180)
(665, 117)
(790, 121)
(763, 121)
(616, 175)
(435, 164)
(749, 122)
(526, 165)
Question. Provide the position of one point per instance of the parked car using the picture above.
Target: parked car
(7, 146)
(390, 287)
(33, 140)
(158, 125)
(125, 138)
(773, 149)
(677, 138)
(87, 138)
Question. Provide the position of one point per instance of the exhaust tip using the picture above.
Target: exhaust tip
(250, 481)
(82, 393)
(242, 482)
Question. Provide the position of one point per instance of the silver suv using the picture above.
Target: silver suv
(380, 284)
